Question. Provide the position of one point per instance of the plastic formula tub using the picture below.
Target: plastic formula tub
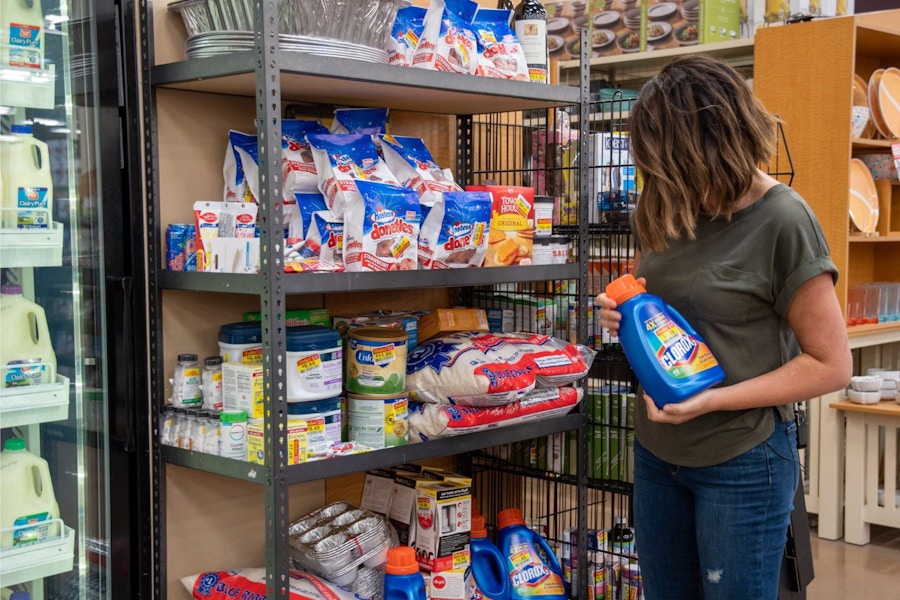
(241, 343)
(376, 360)
(378, 421)
(323, 422)
(314, 363)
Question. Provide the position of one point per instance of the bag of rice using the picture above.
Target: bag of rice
(431, 421)
(557, 361)
(341, 161)
(454, 233)
(381, 228)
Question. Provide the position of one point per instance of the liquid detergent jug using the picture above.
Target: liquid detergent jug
(486, 577)
(26, 354)
(668, 356)
(534, 571)
(26, 496)
(28, 186)
(22, 34)
(402, 580)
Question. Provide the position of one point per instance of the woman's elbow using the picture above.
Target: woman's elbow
(840, 370)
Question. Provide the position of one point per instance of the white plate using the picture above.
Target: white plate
(863, 197)
(555, 43)
(663, 10)
(609, 39)
(607, 18)
(557, 25)
(666, 30)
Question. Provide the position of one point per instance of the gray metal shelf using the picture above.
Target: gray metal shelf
(318, 79)
(323, 469)
(323, 283)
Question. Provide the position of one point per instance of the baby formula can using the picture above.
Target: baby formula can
(376, 361)
(378, 421)
(668, 356)
(241, 342)
(314, 361)
(323, 422)
(233, 434)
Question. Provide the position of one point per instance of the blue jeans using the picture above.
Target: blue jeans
(716, 532)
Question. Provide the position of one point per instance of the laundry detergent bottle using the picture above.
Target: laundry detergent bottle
(534, 571)
(26, 496)
(402, 580)
(26, 353)
(670, 359)
(487, 576)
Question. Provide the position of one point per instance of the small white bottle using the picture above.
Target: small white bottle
(233, 434)
(186, 382)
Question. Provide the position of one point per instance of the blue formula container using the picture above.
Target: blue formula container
(486, 577)
(324, 423)
(534, 572)
(669, 357)
(314, 363)
(402, 580)
(241, 343)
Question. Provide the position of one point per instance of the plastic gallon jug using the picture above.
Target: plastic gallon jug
(26, 354)
(241, 343)
(402, 580)
(668, 356)
(314, 363)
(28, 186)
(21, 28)
(487, 576)
(26, 496)
(534, 571)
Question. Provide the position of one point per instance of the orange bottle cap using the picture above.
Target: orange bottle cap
(509, 516)
(625, 287)
(402, 561)
(478, 528)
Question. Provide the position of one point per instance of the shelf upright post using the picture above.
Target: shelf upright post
(272, 296)
(584, 199)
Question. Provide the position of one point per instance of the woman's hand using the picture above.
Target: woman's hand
(609, 316)
(676, 413)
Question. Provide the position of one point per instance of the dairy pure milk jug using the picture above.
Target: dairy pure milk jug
(26, 353)
(21, 34)
(26, 497)
(27, 183)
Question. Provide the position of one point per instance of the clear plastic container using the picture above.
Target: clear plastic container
(211, 383)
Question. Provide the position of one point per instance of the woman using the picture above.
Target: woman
(743, 259)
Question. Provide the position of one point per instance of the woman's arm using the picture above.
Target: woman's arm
(823, 365)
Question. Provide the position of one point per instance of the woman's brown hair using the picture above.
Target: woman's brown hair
(697, 136)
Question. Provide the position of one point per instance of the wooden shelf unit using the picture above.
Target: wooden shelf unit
(804, 74)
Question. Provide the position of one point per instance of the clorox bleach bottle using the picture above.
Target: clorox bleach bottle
(27, 183)
(402, 580)
(670, 359)
(26, 354)
(26, 496)
(487, 577)
(531, 563)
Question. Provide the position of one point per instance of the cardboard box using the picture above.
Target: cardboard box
(720, 20)
(524, 312)
(448, 585)
(378, 489)
(402, 514)
(511, 235)
(293, 318)
(408, 322)
(242, 388)
(296, 441)
(443, 522)
(442, 321)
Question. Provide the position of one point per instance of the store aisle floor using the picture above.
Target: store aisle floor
(848, 571)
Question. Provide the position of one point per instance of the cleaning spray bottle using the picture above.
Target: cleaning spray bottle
(534, 571)
(486, 577)
(670, 359)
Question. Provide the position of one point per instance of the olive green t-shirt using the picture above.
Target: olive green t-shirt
(734, 285)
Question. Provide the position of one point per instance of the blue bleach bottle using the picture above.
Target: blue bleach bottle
(669, 357)
(486, 577)
(402, 580)
(534, 571)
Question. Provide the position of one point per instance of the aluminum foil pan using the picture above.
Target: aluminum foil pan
(340, 541)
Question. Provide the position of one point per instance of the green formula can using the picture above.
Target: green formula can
(376, 360)
(378, 421)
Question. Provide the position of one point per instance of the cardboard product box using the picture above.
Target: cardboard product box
(293, 318)
(406, 321)
(442, 321)
(443, 522)
(242, 388)
(528, 312)
(378, 489)
(448, 585)
(296, 440)
(720, 20)
(402, 513)
(511, 235)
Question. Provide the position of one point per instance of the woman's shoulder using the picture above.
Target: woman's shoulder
(781, 202)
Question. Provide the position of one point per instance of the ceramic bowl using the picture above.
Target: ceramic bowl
(864, 397)
(865, 383)
(859, 121)
(880, 165)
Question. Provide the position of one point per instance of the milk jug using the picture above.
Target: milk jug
(27, 184)
(21, 34)
(26, 354)
(26, 496)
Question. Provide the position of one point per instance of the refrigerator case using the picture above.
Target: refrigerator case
(81, 269)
